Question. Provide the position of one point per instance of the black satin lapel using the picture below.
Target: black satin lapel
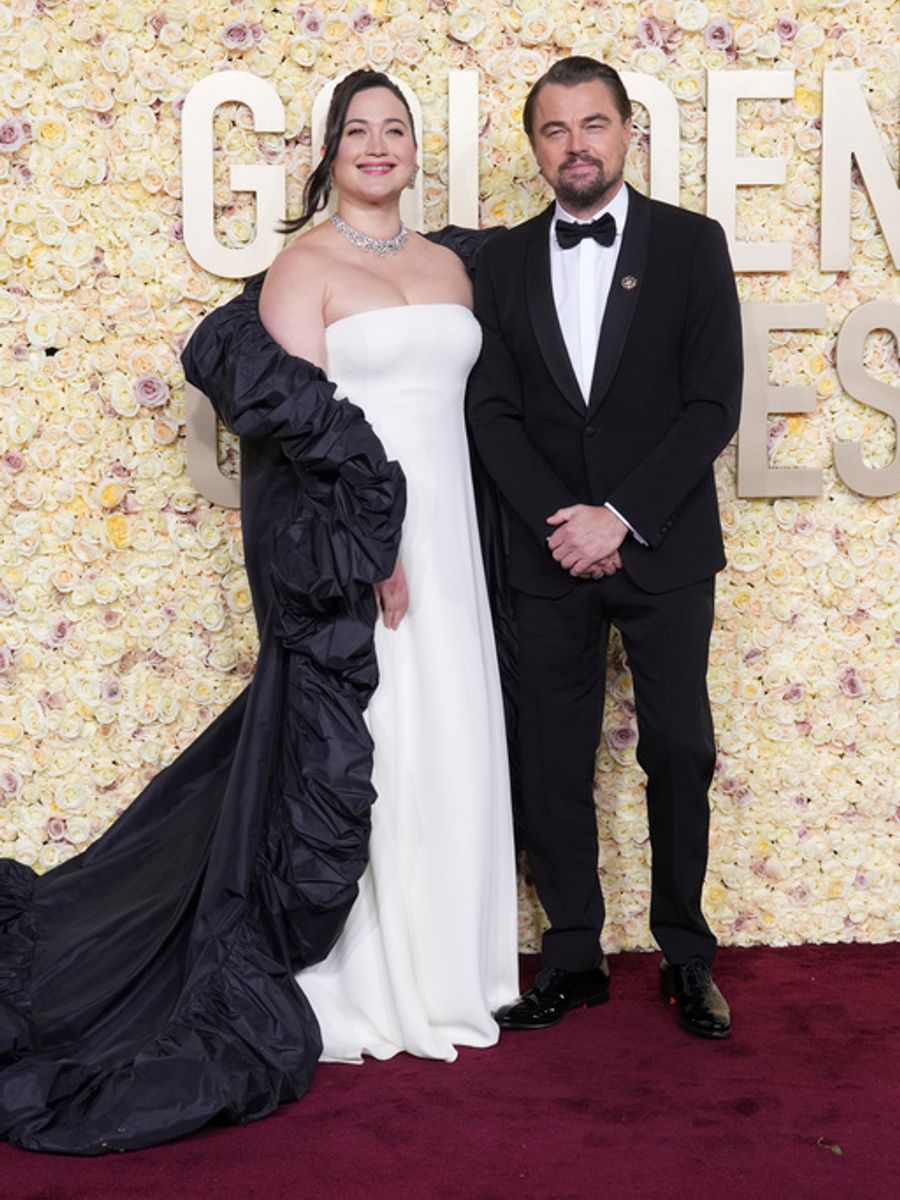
(627, 282)
(542, 310)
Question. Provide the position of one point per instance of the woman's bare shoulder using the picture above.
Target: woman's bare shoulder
(439, 255)
(303, 262)
(441, 263)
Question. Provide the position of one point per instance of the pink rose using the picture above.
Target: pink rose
(151, 391)
(719, 34)
(776, 431)
(361, 19)
(59, 631)
(237, 35)
(621, 737)
(12, 135)
(649, 33)
(312, 24)
(786, 28)
(851, 684)
(10, 781)
(56, 829)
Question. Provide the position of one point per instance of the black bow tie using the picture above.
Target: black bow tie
(603, 230)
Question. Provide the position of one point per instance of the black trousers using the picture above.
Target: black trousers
(562, 664)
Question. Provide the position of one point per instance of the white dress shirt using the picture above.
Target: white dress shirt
(581, 278)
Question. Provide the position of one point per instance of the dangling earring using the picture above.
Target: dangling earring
(414, 176)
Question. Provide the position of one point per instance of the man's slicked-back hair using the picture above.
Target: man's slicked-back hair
(569, 72)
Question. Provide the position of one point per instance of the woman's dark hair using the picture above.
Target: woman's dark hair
(570, 72)
(318, 186)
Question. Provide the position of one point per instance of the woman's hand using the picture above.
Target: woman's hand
(393, 597)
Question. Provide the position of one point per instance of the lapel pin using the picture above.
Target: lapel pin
(628, 282)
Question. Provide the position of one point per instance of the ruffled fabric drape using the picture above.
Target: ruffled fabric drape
(147, 986)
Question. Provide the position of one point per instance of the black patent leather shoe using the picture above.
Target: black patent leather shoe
(692, 991)
(556, 993)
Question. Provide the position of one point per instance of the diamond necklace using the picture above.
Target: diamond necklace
(379, 246)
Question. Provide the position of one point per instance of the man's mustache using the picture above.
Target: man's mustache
(575, 159)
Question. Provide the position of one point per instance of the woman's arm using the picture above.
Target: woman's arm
(291, 307)
(292, 303)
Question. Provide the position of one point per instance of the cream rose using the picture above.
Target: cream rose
(691, 15)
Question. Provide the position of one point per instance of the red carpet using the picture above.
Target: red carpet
(615, 1103)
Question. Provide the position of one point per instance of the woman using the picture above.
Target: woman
(147, 986)
(429, 949)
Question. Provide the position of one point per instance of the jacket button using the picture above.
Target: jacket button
(590, 431)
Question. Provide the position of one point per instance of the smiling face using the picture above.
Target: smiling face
(377, 152)
(580, 142)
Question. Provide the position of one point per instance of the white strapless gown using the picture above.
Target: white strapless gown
(429, 949)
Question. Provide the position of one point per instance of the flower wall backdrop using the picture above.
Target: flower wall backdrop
(125, 620)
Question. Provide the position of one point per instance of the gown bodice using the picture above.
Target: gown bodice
(403, 352)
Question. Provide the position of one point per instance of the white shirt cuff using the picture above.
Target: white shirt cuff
(631, 529)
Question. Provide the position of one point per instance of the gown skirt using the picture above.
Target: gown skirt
(429, 948)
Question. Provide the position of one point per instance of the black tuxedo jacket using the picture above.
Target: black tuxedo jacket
(665, 397)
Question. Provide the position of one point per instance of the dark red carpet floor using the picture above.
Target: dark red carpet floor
(615, 1103)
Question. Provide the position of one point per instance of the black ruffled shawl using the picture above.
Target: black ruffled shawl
(147, 986)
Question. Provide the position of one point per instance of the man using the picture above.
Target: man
(609, 382)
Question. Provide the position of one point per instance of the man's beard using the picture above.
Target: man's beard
(586, 193)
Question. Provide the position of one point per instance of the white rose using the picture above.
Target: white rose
(810, 35)
(691, 15)
(32, 56)
(41, 328)
(466, 25)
